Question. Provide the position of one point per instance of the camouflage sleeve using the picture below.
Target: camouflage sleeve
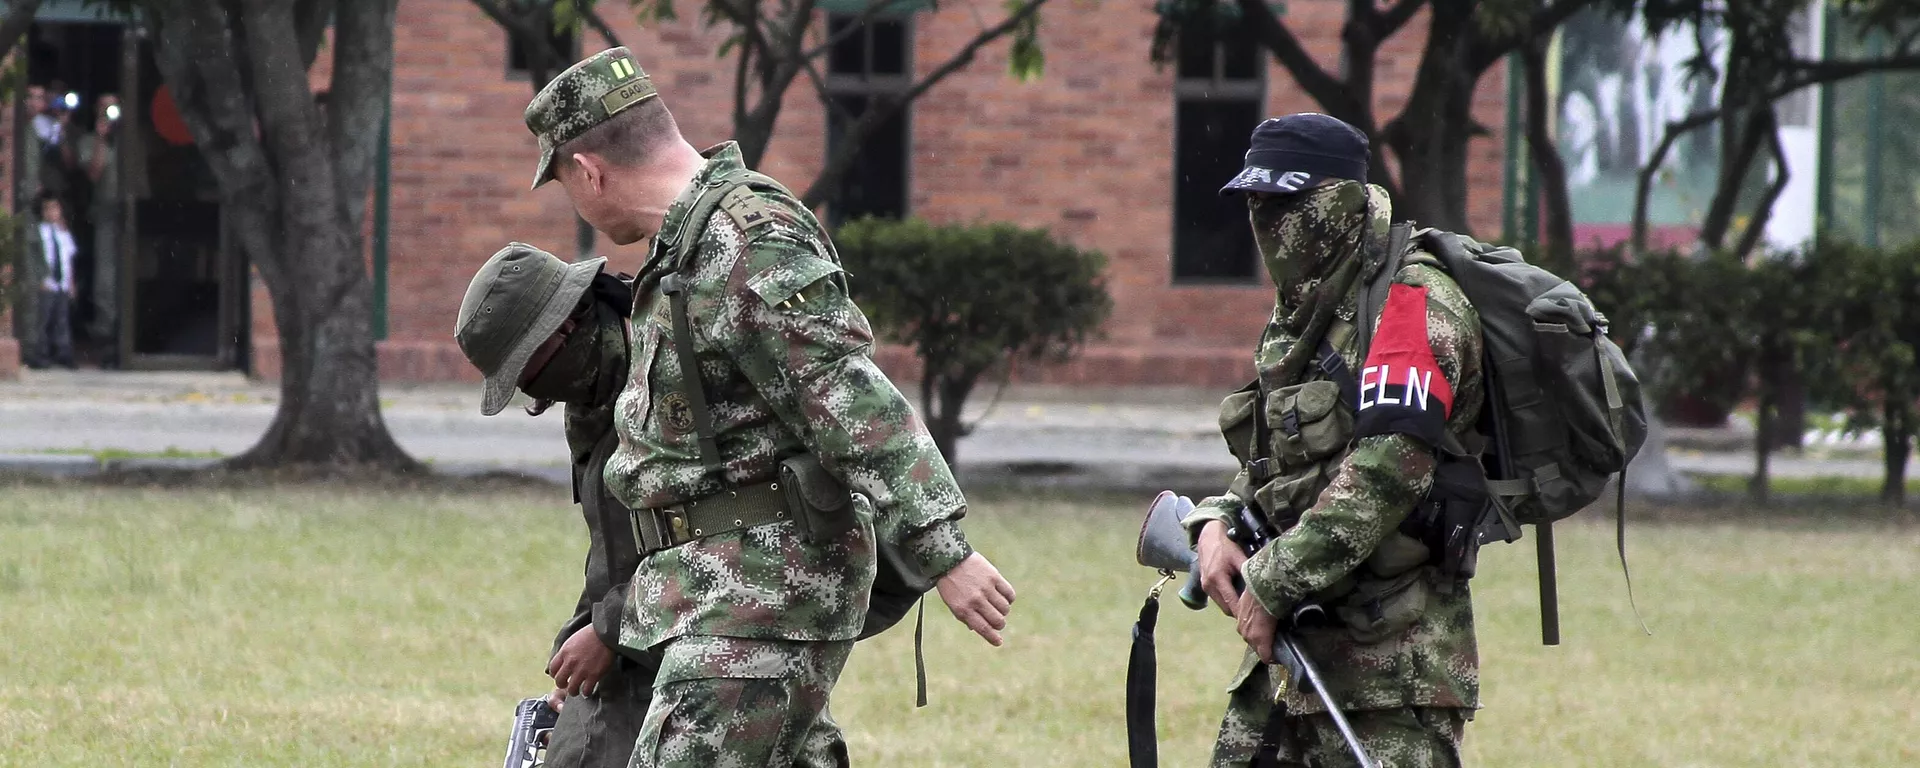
(1222, 508)
(804, 344)
(1424, 350)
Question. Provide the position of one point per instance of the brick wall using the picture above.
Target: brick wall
(1086, 151)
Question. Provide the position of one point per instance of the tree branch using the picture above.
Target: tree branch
(1763, 212)
(592, 18)
(310, 26)
(1329, 91)
(880, 109)
(1546, 157)
(1487, 52)
(826, 95)
(1747, 142)
(867, 14)
(1386, 23)
(362, 86)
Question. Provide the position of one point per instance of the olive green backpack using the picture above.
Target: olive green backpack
(1563, 412)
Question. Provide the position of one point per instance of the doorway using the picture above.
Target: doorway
(160, 286)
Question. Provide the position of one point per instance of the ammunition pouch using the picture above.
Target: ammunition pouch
(822, 506)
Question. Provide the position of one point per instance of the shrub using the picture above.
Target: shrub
(970, 300)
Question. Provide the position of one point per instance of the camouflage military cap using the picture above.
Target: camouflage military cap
(599, 87)
(517, 300)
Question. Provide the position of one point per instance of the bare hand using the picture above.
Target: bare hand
(557, 699)
(1220, 561)
(1257, 626)
(581, 662)
(978, 596)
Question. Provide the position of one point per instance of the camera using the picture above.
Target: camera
(113, 112)
(71, 100)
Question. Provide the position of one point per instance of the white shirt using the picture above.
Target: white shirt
(47, 128)
(57, 244)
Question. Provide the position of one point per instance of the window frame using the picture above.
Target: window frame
(1215, 87)
(866, 84)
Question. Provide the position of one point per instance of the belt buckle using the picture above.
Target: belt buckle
(677, 524)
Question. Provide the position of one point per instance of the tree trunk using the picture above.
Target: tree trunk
(1898, 433)
(293, 188)
(18, 20)
(1431, 135)
(1790, 421)
(1558, 252)
(1762, 446)
(946, 424)
(941, 399)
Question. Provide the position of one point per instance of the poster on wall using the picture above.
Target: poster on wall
(1616, 88)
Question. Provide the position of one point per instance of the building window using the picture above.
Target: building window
(869, 60)
(1219, 93)
(565, 41)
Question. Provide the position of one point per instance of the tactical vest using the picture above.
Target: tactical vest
(1293, 440)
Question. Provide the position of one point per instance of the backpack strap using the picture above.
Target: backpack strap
(1373, 293)
(731, 194)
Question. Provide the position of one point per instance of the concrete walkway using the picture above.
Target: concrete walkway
(1129, 438)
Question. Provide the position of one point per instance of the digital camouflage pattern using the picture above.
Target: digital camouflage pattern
(1404, 737)
(785, 361)
(735, 703)
(585, 95)
(1399, 640)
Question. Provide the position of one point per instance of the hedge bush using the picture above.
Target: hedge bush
(970, 299)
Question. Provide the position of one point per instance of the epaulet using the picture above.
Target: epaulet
(746, 209)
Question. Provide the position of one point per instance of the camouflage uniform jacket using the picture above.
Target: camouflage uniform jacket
(612, 554)
(785, 363)
(1401, 640)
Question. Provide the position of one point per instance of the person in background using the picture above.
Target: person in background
(54, 129)
(53, 243)
(99, 159)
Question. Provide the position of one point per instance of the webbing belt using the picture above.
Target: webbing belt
(667, 527)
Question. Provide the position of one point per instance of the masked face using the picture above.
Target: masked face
(1304, 236)
(585, 368)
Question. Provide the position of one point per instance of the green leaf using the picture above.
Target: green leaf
(1025, 61)
(566, 17)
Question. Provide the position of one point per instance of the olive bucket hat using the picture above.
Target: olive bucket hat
(517, 300)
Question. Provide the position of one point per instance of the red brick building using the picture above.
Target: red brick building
(1106, 150)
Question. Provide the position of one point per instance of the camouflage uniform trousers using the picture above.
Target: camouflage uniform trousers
(723, 702)
(1407, 737)
(598, 731)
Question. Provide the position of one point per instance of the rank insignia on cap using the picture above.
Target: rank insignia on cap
(622, 68)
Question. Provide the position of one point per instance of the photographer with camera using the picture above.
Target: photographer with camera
(99, 159)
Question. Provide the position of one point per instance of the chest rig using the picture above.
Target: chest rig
(1292, 440)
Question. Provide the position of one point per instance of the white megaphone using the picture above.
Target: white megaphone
(1163, 545)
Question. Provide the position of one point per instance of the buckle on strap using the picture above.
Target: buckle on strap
(740, 508)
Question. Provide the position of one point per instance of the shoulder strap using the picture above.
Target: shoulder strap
(1373, 294)
(674, 285)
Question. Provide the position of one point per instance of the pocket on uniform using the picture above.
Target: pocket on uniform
(1288, 496)
(1308, 423)
(1237, 423)
(1378, 610)
(635, 404)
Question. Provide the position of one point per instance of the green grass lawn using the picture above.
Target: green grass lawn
(321, 627)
